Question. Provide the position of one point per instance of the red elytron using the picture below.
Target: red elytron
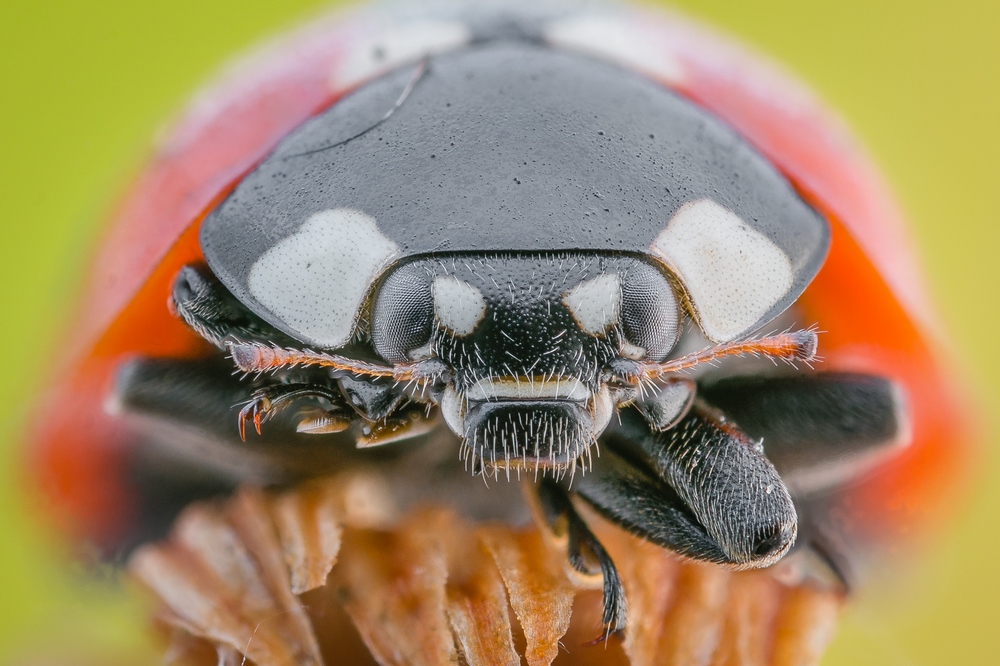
(867, 298)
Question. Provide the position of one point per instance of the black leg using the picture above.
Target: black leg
(204, 394)
(201, 393)
(268, 401)
(819, 429)
(586, 554)
(702, 489)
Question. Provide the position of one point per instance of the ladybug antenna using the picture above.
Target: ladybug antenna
(256, 357)
(789, 346)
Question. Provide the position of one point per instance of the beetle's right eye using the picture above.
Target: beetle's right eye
(403, 315)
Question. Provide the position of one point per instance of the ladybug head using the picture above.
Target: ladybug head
(529, 346)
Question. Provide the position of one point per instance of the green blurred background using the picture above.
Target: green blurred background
(85, 86)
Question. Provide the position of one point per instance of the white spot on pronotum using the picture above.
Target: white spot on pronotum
(732, 273)
(458, 306)
(387, 49)
(596, 304)
(620, 40)
(316, 280)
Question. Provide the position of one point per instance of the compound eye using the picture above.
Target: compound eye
(649, 312)
(403, 316)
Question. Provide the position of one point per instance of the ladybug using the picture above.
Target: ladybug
(596, 250)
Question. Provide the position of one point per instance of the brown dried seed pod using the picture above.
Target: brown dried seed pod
(540, 593)
(323, 574)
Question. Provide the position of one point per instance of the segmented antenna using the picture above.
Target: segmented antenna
(256, 358)
(790, 346)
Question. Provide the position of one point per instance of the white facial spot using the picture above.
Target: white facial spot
(596, 304)
(619, 40)
(732, 273)
(458, 306)
(398, 44)
(316, 280)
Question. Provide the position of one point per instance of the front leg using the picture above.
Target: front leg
(267, 401)
(703, 489)
(585, 553)
(203, 396)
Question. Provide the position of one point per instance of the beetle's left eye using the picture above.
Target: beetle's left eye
(403, 315)
(649, 313)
